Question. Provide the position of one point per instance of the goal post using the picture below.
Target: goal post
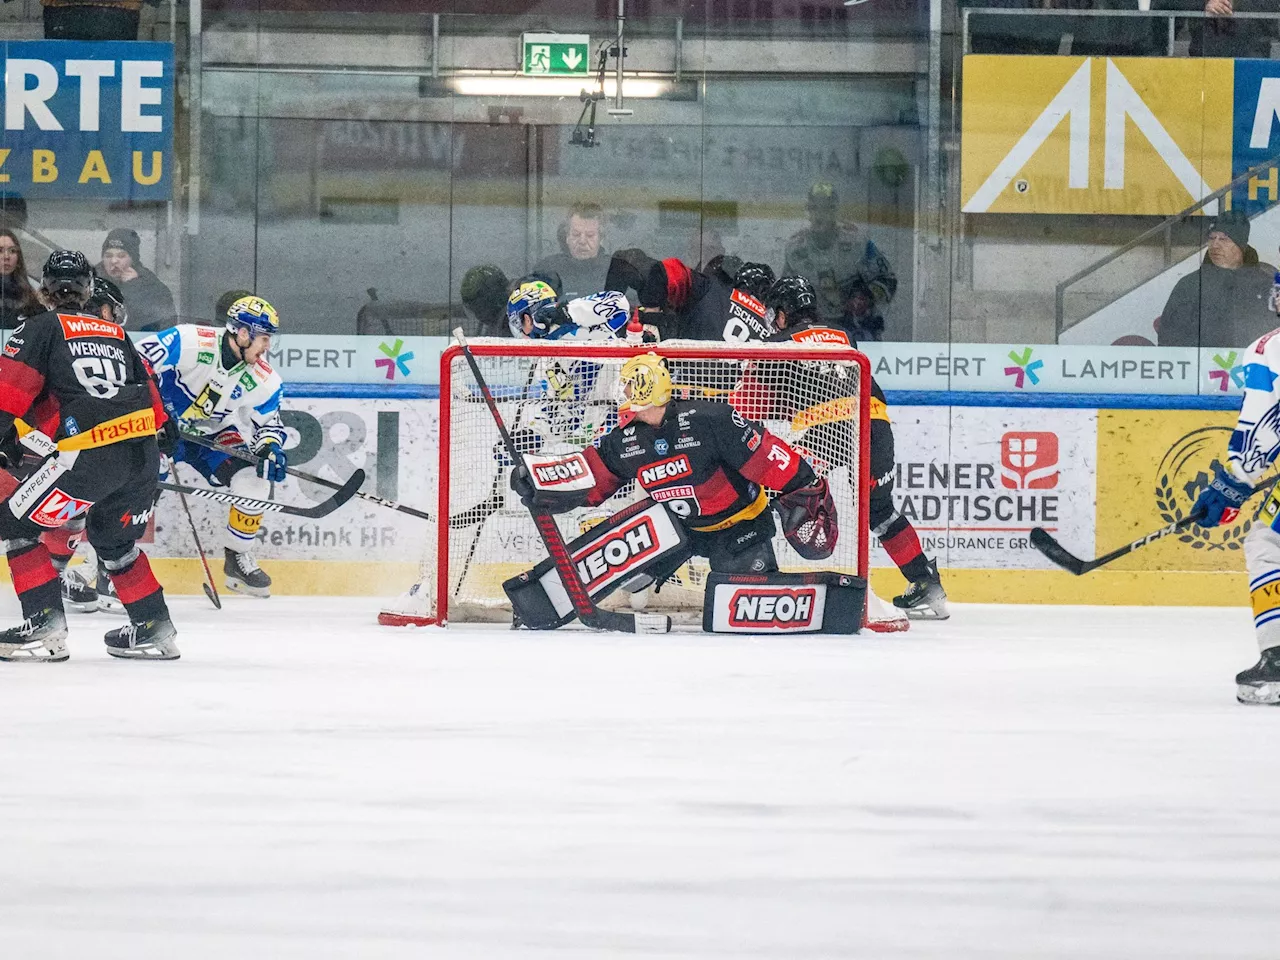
(559, 397)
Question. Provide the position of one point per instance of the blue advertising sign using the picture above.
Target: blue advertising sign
(1256, 133)
(87, 120)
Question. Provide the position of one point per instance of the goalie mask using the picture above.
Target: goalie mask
(645, 382)
(535, 299)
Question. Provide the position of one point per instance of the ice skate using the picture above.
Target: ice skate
(1261, 682)
(148, 640)
(108, 599)
(244, 575)
(925, 599)
(41, 637)
(78, 593)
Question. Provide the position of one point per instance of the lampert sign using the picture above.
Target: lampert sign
(87, 120)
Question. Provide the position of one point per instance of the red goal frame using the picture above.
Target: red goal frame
(556, 349)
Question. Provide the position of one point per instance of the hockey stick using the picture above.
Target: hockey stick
(210, 590)
(1051, 548)
(322, 509)
(250, 457)
(583, 606)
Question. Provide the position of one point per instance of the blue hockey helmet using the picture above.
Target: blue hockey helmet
(532, 297)
(254, 315)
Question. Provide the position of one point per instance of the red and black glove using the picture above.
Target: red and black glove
(809, 520)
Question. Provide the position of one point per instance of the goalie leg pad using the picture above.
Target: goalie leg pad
(644, 540)
(820, 602)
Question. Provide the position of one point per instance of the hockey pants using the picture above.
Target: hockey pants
(1262, 560)
(231, 473)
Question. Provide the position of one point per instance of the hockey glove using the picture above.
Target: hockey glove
(168, 437)
(809, 520)
(274, 464)
(11, 450)
(522, 485)
(1220, 502)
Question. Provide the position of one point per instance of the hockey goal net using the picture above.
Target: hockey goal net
(558, 398)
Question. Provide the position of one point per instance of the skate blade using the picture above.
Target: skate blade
(242, 588)
(111, 606)
(49, 650)
(164, 650)
(80, 606)
(927, 613)
(1265, 694)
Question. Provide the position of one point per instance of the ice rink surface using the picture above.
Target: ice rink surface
(1020, 782)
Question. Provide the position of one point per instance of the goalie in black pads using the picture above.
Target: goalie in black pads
(705, 469)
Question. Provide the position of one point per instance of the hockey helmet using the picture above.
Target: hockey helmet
(793, 296)
(530, 297)
(254, 315)
(755, 279)
(67, 278)
(106, 294)
(646, 382)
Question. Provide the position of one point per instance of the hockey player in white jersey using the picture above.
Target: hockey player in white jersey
(1253, 447)
(218, 383)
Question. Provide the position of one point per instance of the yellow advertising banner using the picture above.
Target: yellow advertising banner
(1094, 135)
(1152, 464)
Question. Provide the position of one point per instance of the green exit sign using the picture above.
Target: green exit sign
(556, 54)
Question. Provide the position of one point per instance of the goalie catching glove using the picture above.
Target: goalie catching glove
(809, 522)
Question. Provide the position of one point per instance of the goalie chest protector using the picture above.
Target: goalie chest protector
(821, 602)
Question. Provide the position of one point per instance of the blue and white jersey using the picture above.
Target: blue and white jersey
(601, 316)
(207, 396)
(1256, 440)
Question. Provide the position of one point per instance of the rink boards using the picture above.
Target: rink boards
(974, 479)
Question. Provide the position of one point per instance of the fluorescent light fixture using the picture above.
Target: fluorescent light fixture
(638, 88)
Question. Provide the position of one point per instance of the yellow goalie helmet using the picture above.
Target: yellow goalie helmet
(645, 382)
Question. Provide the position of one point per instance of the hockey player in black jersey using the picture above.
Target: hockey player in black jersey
(687, 304)
(710, 466)
(97, 412)
(792, 306)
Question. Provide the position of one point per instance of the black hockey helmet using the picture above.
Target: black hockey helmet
(67, 278)
(755, 278)
(793, 296)
(107, 294)
(725, 266)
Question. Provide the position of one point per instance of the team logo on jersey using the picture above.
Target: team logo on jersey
(747, 300)
(247, 381)
(205, 357)
(772, 608)
(660, 447)
(664, 471)
(821, 335)
(628, 546)
(73, 327)
(57, 508)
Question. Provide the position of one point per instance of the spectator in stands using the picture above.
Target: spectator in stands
(1225, 303)
(92, 19)
(581, 264)
(1222, 34)
(18, 298)
(149, 301)
(13, 210)
(484, 297)
(849, 273)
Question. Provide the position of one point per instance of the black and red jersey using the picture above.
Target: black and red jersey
(72, 373)
(707, 462)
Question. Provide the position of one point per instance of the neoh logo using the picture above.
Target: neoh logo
(665, 470)
(559, 471)
(772, 607)
(623, 549)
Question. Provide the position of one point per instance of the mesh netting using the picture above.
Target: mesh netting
(557, 399)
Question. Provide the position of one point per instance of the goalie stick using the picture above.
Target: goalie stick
(322, 509)
(1043, 541)
(583, 607)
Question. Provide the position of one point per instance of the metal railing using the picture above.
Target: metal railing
(1060, 290)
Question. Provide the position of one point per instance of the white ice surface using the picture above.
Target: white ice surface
(1020, 782)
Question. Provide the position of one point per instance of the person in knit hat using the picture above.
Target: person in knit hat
(92, 19)
(149, 301)
(1226, 302)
